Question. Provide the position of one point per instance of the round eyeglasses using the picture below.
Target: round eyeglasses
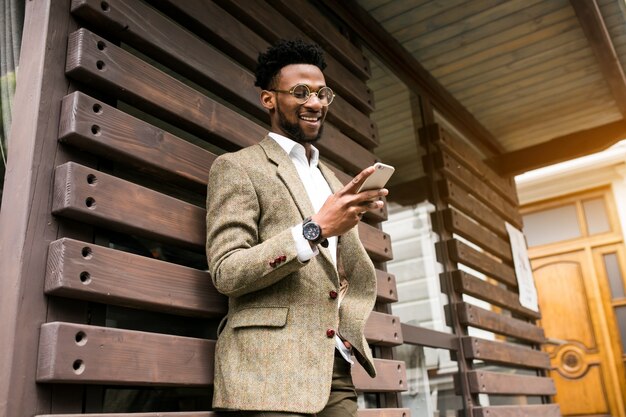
(302, 93)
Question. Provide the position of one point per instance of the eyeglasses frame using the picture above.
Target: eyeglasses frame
(290, 92)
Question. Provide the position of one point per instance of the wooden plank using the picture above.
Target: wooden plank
(562, 148)
(76, 353)
(592, 24)
(121, 137)
(95, 273)
(471, 315)
(500, 383)
(157, 93)
(468, 156)
(454, 170)
(385, 412)
(383, 329)
(421, 336)
(93, 197)
(370, 412)
(97, 198)
(84, 354)
(411, 72)
(271, 25)
(504, 353)
(550, 410)
(379, 242)
(390, 377)
(462, 253)
(494, 294)
(453, 194)
(316, 25)
(386, 290)
(410, 192)
(488, 241)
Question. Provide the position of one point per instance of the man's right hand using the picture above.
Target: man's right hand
(344, 209)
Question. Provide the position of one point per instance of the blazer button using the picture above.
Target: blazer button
(283, 258)
(330, 333)
(273, 264)
(333, 294)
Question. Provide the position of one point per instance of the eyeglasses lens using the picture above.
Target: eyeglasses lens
(302, 93)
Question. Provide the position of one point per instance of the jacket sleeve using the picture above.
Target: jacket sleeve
(238, 262)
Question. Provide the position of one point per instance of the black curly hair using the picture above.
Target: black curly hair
(286, 52)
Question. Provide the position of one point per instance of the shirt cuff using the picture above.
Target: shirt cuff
(303, 247)
(345, 353)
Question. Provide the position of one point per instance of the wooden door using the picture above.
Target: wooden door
(577, 314)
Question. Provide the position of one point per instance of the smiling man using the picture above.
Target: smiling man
(283, 246)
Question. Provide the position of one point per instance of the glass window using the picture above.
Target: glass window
(552, 225)
(620, 314)
(596, 217)
(614, 275)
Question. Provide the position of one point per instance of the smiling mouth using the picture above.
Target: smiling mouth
(309, 119)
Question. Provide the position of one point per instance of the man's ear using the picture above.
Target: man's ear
(268, 99)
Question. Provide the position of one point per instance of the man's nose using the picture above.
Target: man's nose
(314, 101)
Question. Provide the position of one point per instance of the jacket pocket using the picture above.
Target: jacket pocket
(260, 317)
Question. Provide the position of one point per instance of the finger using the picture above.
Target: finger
(356, 182)
(370, 195)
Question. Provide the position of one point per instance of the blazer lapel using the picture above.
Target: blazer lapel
(286, 171)
(331, 178)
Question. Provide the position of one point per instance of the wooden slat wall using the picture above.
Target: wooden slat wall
(472, 206)
(139, 122)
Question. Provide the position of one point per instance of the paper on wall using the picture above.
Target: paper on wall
(523, 271)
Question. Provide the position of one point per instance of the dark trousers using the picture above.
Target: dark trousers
(341, 403)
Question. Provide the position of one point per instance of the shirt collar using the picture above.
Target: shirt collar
(296, 150)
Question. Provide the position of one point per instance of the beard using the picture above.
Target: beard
(295, 131)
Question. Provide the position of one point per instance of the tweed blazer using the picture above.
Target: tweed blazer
(273, 352)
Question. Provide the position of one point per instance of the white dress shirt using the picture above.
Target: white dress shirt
(318, 191)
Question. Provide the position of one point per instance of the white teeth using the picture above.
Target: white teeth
(309, 119)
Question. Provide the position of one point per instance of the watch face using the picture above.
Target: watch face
(311, 231)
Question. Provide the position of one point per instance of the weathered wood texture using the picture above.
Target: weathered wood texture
(471, 315)
(493, 294)
(85, 271)
(551, 410)
(473, 206)
(26, 225)
(505, 353)
(93, 197)
(150, 117)
(503, 384)
(370, 412)
(76, 353)
(145, 29)
(463, 253)
(146, 87)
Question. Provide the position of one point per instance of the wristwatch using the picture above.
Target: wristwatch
(313, 232)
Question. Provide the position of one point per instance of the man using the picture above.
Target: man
(274, 218)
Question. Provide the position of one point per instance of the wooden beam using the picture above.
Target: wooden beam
(563, 148)
(590, 19)
(411, 72)
(410, 192)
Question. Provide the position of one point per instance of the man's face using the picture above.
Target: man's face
(300, 122)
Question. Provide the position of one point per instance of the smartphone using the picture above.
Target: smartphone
(378, 179)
